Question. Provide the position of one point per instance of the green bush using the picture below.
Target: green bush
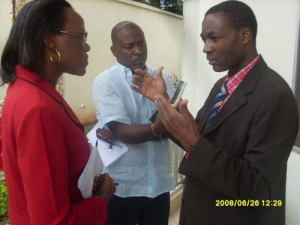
(3, 199)
(89, 127)
(175, 80)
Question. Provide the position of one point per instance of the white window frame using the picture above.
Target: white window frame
(296, 78)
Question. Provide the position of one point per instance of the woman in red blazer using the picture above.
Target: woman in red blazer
(44, 147)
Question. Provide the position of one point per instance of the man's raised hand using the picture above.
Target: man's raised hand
(148, 86)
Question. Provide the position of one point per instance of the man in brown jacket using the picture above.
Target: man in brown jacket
(239, 144)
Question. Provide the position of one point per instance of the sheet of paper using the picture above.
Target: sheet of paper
(108, 156)
(92, 169)
(92, 134)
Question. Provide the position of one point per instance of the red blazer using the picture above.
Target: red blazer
(44, 153)
(1, 161)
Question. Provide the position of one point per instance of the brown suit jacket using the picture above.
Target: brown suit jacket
(242, 155)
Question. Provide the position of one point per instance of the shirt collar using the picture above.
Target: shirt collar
(126, 71)
(234, 80)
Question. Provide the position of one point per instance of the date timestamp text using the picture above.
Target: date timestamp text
(248, 203)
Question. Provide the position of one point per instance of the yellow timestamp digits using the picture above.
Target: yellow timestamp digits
(247, 203)
(271, 203)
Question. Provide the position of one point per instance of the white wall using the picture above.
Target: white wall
(163, 32)
(276, 39)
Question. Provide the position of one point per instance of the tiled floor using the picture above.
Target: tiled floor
(174, 217)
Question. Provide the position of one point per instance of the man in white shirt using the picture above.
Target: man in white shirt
(144, 172)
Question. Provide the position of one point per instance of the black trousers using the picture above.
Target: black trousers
(139, 210)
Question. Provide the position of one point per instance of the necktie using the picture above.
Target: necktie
(219, 99)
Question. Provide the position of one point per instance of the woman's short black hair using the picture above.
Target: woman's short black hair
(25, 45)
(239, 15)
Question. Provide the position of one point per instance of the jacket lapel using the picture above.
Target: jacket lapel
(239, 98)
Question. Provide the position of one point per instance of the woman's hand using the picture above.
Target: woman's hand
(147, 85)
(104, 187)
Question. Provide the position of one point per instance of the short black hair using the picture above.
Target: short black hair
(239, 15)
(25, 44)
(118, 27)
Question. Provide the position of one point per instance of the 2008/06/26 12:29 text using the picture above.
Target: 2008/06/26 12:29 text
(248, 203)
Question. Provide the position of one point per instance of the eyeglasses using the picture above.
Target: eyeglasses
(84, 37)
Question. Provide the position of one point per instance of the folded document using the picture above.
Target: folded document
(102, 155)
(107, 154)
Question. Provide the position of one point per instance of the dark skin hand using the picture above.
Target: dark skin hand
(129, 130)
(104, 187)
(147, 85)
(107, 135)
(149, 88)
(136, 134)
(180, 124)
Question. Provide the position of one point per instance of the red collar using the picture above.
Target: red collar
(236, 79)
(36, 80)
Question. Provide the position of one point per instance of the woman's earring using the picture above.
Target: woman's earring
(51, 58)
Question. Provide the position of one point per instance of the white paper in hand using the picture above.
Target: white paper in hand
(108, 157)
(92, 169)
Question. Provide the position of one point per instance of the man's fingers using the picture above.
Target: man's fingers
(164, 107)
(159, 106)
(137, 79)
(135, 89)
(161, 101)
(183, 107)
(158, 73)
(137, 82)
(142, 73)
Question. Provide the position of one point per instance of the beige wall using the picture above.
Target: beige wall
(163, 34)
(276, 41)
(162, 30)
(5, 25)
